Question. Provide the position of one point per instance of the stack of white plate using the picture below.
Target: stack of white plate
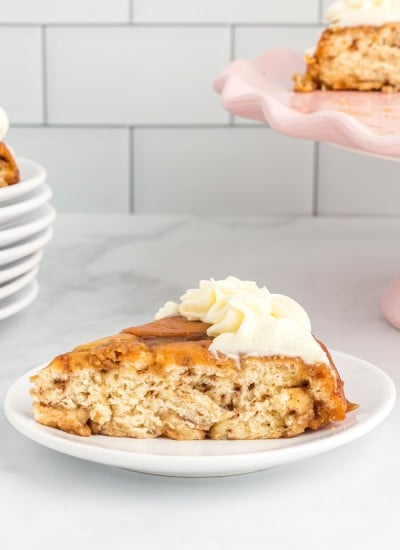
(25, 228)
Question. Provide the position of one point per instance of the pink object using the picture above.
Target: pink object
(390, 303)
(368, 122)
(261, 90)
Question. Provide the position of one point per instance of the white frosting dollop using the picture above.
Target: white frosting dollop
(4, 124)
(246, 319)
(348, 13)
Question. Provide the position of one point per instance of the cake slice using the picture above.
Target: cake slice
(360, 50)
(166, 379)
(9, 173)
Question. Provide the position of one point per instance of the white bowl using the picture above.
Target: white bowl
(10, 288)
(32, 175)
(19, 267)
(19, 301)
(23, 248)
(27, 225)
(22, 205)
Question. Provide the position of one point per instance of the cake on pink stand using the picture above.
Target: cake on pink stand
(367, 122)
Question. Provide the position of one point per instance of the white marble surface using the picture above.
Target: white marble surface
(102, 273)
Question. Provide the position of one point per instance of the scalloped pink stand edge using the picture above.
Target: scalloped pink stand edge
(367, 123)
(390, 303)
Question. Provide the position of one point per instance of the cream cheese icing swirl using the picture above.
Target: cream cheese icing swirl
(347, 13)
(246, 319)
(4, 124)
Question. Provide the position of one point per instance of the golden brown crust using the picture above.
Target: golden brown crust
(102, 354)
(160, 379)
(9, 173)
(361, 58)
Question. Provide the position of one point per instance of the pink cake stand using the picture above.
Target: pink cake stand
(366, 122)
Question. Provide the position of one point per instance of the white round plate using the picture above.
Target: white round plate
(365, 384)
(10, 288)
(18, 302)
(23, 248)
(31, 201)
(27, 225)
(15, 269)
(32, 175)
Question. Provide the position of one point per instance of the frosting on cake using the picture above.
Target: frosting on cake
(347, 13)
(4, 124)
(246, 319)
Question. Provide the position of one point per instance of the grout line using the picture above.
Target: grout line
(231, 58)
(196, 126)
(130, 10)
(232, 49)
(315, 183)
(122, 24)
(321, 11)
(44, 74)
(284, 24)
(358, 216)
(131, 145)
(255, 124)
(194, 24)
(106, 126)
(72, 125)
(21, 24)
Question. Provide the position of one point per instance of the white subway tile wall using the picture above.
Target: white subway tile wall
(21, 73)
(249, 171)
(251, 42)
(115, 99)
(135, 75)
(352, 183)
(86, 167)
